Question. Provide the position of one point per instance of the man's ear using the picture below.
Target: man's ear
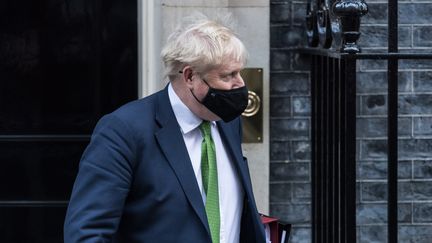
(187, 74)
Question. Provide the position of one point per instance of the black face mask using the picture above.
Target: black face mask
(226, 104)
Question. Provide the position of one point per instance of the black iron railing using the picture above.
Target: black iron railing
(333, 90)
(333, 148)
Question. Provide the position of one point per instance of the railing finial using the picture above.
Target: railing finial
(349, 12)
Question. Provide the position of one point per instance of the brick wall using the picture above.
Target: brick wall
(290, 123)
(415, 140)
(290, 192)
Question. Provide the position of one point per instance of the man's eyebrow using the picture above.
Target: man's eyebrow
(231, 71)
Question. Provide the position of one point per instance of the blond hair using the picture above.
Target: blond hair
(202, 44)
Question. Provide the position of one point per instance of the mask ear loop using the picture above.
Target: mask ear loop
(206, 83)
(195, 96)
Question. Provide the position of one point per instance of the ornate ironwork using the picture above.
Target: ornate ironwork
(335, 24)
(324, 26)
(311, 25)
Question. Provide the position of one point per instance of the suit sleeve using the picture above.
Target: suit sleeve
(102, 184)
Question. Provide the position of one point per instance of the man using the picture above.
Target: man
(169, 167)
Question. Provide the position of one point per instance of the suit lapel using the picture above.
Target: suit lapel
(172, 144)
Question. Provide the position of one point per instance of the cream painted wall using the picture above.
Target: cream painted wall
(252, 17)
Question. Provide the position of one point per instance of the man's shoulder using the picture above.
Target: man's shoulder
(137, 114)
(139, 108)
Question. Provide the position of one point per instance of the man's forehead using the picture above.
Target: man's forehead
(229, 67)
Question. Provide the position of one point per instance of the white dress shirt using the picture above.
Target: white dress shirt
(230, 190)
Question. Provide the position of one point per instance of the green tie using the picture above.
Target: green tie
(210, 180)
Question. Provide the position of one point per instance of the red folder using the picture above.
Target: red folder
(273, 226)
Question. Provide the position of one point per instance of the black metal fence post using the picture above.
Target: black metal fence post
(350, 150)
(392, 121)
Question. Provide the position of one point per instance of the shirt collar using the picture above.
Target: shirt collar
(187, 120)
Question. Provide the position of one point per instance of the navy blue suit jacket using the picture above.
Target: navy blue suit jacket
(136, 182)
